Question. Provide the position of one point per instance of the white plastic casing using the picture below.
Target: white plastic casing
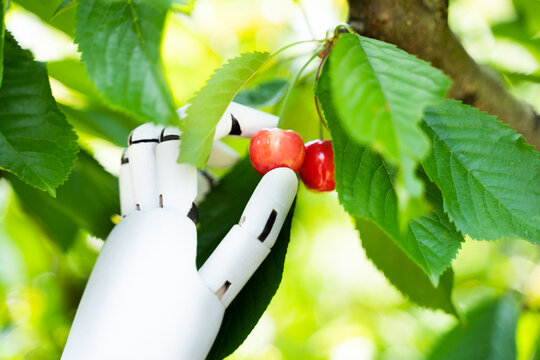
(246, 245)
(144, 299)
(249, 121)
(177, 183)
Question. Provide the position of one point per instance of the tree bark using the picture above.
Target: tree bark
(420, 27)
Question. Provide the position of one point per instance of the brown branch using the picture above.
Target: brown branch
(420, 27)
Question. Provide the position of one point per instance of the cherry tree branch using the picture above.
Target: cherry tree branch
(420, 27)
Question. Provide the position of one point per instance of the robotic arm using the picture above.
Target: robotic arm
(145, 298)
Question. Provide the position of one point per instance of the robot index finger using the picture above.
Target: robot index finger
(248, 243)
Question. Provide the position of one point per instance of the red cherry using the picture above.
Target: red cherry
(317, 172)
(273, 148)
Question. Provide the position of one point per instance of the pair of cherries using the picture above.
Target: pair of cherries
(273, 148)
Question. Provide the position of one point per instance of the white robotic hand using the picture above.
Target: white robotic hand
(145, 298)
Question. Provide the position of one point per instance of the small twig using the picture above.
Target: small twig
(291, 86)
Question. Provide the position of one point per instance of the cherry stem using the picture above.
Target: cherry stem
(294, 44)
(343, 26)
(291, 86)
(325, 52)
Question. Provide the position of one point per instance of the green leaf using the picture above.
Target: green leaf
(183, 6)
(2, 31)
(381, 92)
(64, 6)
(209, 104)
(101, 122)
(517, 31)
(265, 94)
(95, 118)
(518, 77)
(366, 188)
(218, 213)
(87, 200)
(489, 334)
(120, 41)
(402, 272)
(72, 73)
(36, 142)
(529, 12)
(46, 9)
(489, 177)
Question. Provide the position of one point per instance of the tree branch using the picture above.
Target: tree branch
(420, 27)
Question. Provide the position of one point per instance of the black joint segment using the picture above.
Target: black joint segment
(160, 200)
(143, 141)
(268, 227)
(235, 126)
(193, 214)
(124, 159)
(209, 178)
(130, 138)
(163, 137)
(138, 207)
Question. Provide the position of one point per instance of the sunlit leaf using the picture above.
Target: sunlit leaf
(36, 142)
(87, 200)
(2, 31)
(46, 10)
(267, 93)
(121, 40)
(101, 122)
(72, 73)
(365, 186)
(380, 93)
(488, 175)
(489, 334)
(210, 103)
(402, 272)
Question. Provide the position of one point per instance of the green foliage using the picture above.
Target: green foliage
(121, 40)
(489, 334)
(101, 122)
(380, 94)
(480, 179)
(524, 28)
(185, 6)
(96, 118)
(529, 11)
(87, 200)
(209, 104)
(46, 10)
(366, 187)
(402, 272)
(2, 31)
(265, 94)
(72, 73)
(64, 6)
(37, 143)
(488, 175)
(218, 213)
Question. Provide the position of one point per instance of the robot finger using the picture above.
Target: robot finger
(244, 121)
(247, 244)
(142, 164)
(222, 156)
(127, 197)
(177, 183)
(239, 120)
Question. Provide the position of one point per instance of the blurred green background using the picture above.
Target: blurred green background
(332, 303)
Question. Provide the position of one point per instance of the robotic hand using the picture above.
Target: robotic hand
(145, 298)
